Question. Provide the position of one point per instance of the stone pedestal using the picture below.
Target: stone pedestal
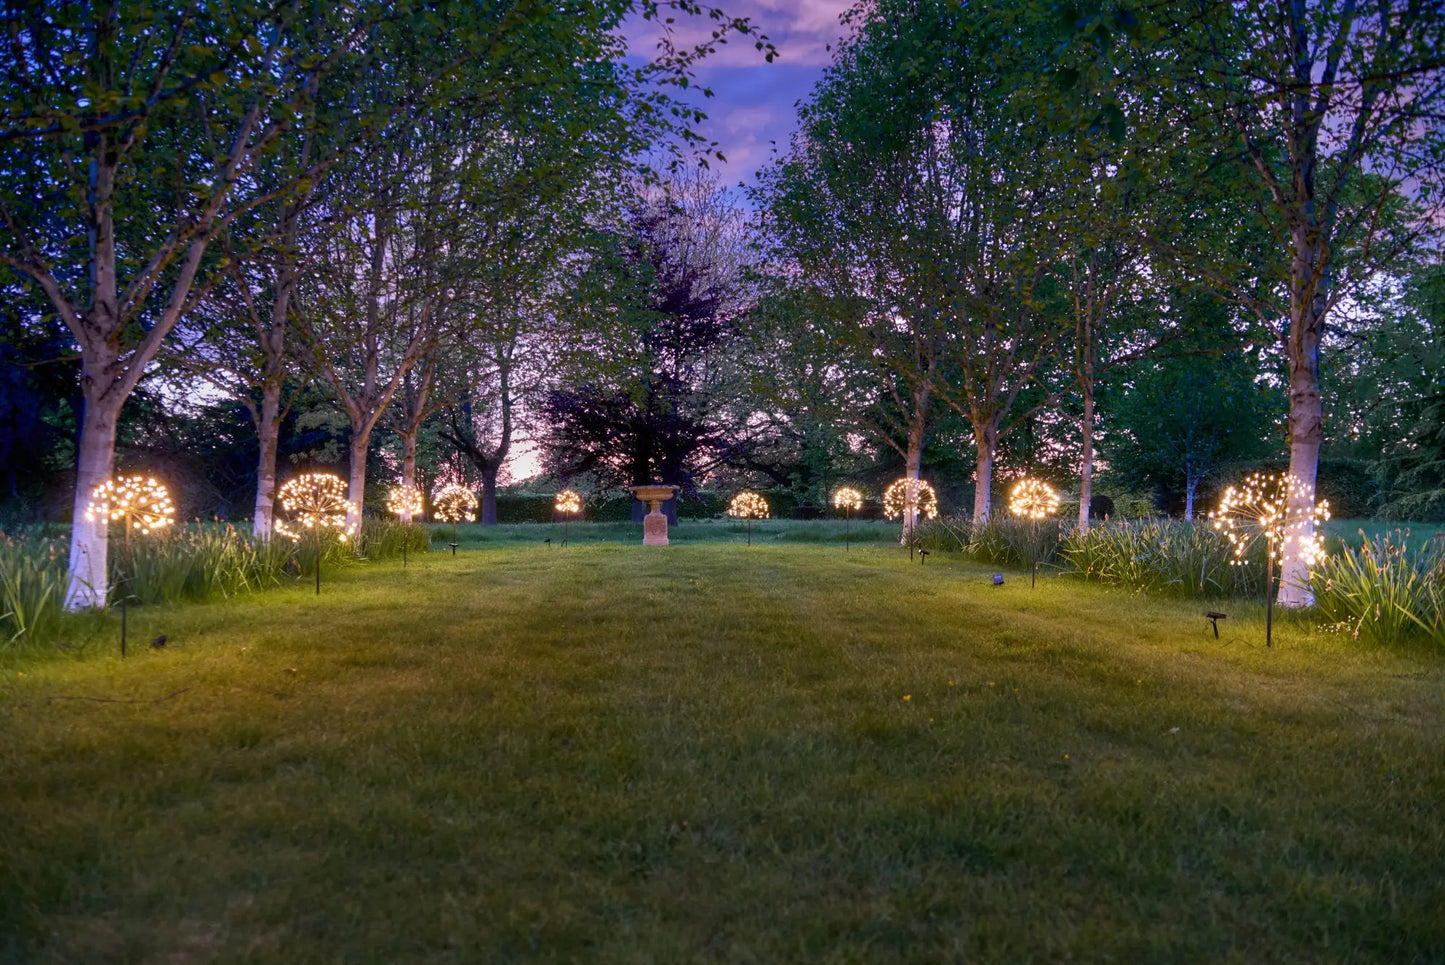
(654, 524)
(654, 529)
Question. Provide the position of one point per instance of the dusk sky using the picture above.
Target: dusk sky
(754, 101)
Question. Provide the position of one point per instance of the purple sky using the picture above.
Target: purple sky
(754, 101)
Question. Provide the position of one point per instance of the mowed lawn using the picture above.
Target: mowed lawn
(715, 752)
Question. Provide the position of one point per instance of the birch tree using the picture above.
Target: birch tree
(1334, 111)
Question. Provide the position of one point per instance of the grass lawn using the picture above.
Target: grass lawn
(719, 752)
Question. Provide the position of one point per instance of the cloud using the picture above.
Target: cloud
(801, 30)
(754, 103)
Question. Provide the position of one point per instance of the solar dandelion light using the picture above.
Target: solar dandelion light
(567, 504)
(138, 503)
(849, 500)
(455, 504)
(908, 499)
(1258, 508)
(314, 502)
(406, 502)
(1034, 500)
(748, 506)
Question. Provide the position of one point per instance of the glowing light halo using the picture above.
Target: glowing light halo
(404, 500)
(139, 501)
(1033, 499)
(896, 498)
(314, 501)
(1259, 506)
(748, 505)
(455, 504)
(847, 498)
(568, 503)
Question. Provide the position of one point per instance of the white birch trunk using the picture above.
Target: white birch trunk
(88, 586)
(1308, 302)
(986, 440)
(912, 468)
(356, 491)
(1086, 474)
(408, 470)
(268, 431)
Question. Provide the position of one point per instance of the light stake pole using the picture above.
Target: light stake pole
(130, 499)
(1264, 501)
(847, 499)
(749, 506)
(1034, 500)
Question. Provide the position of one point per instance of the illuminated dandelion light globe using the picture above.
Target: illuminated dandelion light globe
(568, 503)
(848, 499)
(1033, 499)
(1259, 507)
(404, 500)
(895, 499)
(747, 505)
(140, 502)
(313, 502)
(455, 504)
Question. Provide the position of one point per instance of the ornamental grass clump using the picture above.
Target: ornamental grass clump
(384, 539)
(32, 588)
(1385, 591)
(1167, 557)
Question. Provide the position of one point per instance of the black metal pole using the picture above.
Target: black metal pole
(318, 561)
(847, 527)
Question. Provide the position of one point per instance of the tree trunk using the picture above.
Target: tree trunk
(912, 468)
(356, 492)
(489, 494)
(408, 469)
(1086, 474)
(268, 431)
(94, 462)
(986, 440)
(1308, 301)
(1191, 484)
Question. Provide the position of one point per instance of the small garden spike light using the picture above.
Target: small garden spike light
(405, 502)
(1259, 507)
(849, 500)
(139, 503)
(314, 501)
(455, 504)
(748, 506)
(568, 504)
(1034, 500)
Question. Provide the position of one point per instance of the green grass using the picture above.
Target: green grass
(763, 532)
(719, 752)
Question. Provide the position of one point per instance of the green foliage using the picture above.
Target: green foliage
(32, 587)
(1168, 557)
(1384, 590)
(383, 539)
(184, 564)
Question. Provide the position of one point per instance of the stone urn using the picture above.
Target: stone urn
(654, 524)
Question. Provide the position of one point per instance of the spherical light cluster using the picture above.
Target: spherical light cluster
(455, 505)
(847, 498)
(1259, 506)
(747, 505)
(140, 502)
(905, 492)
(1033, 499)
(404, 500)
(568, 503)
(312, 502)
